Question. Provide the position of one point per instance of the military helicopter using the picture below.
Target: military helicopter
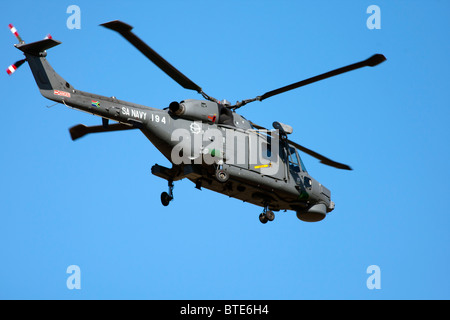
(206, 141)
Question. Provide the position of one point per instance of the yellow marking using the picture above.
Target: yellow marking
(263, 166)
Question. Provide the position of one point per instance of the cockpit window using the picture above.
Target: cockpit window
(302, 164)
(295, 161)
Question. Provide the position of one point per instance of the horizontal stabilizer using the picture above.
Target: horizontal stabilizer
(35, 48)
(81, 130)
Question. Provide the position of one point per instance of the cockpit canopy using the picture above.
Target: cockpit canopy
(295, 161)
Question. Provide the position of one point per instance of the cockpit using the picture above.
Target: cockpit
(295, 161)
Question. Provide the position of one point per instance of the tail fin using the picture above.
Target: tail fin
(51, 84)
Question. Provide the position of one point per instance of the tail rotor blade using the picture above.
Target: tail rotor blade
(12, 68)
(15, 33)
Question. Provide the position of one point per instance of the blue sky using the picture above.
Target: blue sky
(94, 203)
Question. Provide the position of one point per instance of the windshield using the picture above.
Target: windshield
(302, 164)
(295, 161)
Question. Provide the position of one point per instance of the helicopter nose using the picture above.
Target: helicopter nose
(314, 214)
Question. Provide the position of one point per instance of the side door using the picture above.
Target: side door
(265, 155)
(236, 147)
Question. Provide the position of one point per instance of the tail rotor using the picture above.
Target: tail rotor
(12, 68)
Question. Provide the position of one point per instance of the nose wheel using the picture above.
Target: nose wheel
(167, 197)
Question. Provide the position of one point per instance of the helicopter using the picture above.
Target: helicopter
(206, 141)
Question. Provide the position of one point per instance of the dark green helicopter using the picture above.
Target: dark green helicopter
(206, 141)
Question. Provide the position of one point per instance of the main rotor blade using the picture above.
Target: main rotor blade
(257, 126)
(125, 30)
(81, 130)
(322, 159)
(371, 62)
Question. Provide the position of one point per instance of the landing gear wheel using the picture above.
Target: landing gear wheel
(222, 175)
(263, 218)
(270, 215)
(165, 199)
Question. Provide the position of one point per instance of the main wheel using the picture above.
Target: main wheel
(165, 199)
(270, 215)
(263, 218)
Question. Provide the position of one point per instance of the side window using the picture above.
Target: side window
(267, 150)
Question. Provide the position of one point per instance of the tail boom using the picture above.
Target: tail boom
(53, 87)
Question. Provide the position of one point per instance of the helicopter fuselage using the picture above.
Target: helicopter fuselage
(205, 141)
(274, 181)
